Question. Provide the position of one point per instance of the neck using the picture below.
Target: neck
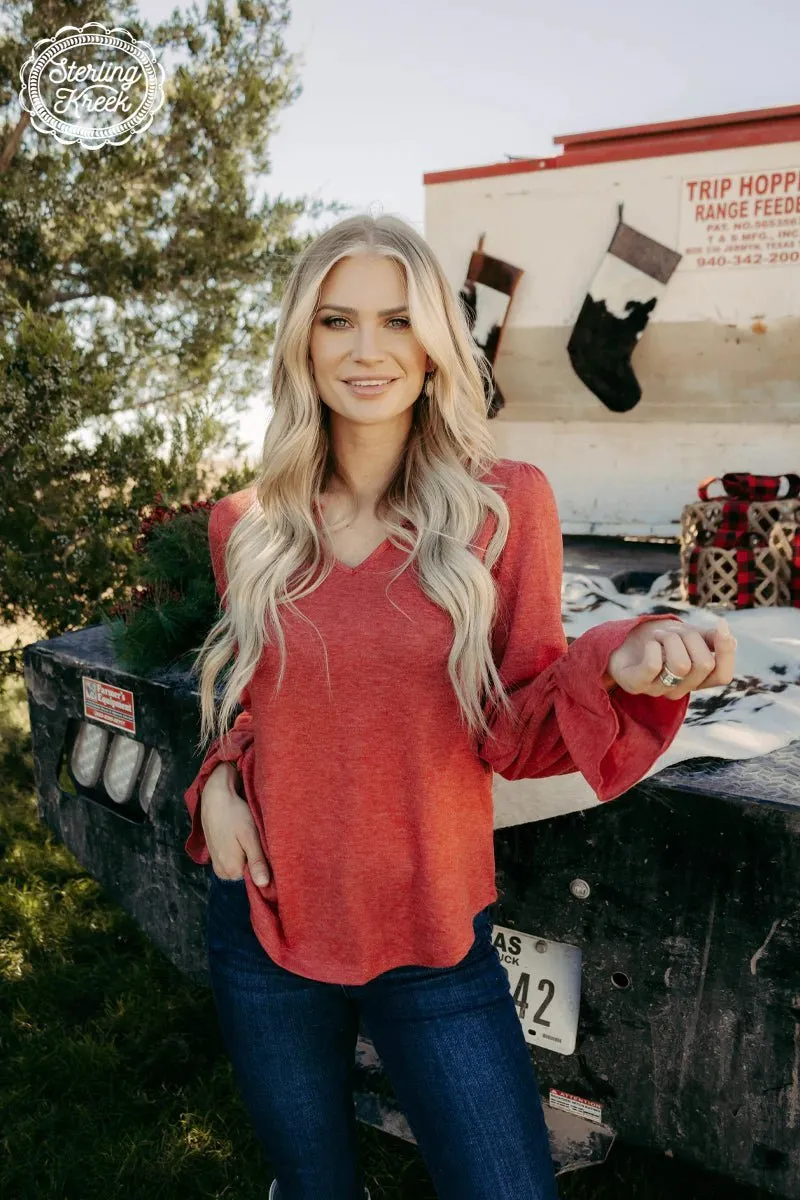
(366, 457)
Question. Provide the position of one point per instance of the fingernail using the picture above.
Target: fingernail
(260, 879)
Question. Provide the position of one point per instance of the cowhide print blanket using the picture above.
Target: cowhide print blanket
(757, 714)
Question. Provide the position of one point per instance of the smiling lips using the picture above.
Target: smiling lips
(368, 386)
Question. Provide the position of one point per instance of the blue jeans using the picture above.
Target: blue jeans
(449, 1039)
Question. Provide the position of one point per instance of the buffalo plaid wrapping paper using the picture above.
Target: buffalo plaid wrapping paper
(744, 533)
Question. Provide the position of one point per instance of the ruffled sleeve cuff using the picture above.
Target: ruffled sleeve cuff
(613, 738)
(228, 749)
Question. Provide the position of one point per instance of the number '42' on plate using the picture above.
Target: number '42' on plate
(545, 982)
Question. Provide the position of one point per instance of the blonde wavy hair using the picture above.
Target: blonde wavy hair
(435, 486)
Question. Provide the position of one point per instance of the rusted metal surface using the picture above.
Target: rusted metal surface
(690, 1012)
(136, 854)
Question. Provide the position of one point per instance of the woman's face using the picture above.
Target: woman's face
(371, 339)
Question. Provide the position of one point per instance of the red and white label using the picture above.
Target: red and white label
(747, 219)
(108, 704)
(576, 1105)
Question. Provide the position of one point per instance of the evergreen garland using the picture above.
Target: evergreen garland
(174, 603)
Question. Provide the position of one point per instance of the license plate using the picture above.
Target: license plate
(545, 982)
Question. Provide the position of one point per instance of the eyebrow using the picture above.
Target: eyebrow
(386, 312)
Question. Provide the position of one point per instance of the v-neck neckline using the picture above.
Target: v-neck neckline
(343, 566)
(366, 563)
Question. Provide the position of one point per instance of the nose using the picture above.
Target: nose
(367, 346)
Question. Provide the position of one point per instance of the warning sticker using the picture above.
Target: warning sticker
(108, 704)
(576, 1105)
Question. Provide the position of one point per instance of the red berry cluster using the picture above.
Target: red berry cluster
(161, 514)
(145, 594)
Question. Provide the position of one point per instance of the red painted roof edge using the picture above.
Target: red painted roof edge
(758, 127)
(629, 131)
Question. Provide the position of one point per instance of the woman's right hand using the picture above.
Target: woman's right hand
(229, 829)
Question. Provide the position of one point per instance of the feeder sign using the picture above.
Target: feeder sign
(742, 219)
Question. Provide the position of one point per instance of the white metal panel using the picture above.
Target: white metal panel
(622, 478)
(719, 362)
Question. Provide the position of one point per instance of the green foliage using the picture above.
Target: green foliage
(139, 287)
(174, 603)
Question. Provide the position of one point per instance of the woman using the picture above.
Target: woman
(391, 599)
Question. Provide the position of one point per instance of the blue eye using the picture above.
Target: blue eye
(330, 321)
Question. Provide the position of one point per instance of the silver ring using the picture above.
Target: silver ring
(668, 679)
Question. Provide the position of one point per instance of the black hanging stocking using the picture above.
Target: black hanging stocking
(632, 277)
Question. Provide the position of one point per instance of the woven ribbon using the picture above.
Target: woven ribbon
(735, 532)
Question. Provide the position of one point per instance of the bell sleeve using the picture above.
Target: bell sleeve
(233, 744)
(567, 721)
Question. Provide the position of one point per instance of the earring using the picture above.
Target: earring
(426, 387)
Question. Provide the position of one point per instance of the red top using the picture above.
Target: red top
(373, 805)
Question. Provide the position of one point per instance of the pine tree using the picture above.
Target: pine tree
(139, 287)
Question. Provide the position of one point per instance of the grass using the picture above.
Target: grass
(113, 1079)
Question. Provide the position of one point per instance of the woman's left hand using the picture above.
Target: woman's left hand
(702, 659)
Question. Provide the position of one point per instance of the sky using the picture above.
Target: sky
(391, 91)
